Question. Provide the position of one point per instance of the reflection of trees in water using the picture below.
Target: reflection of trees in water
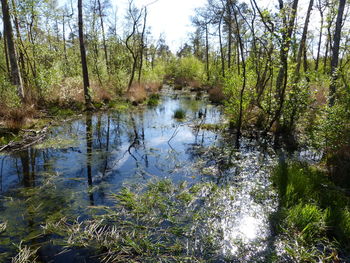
(89, 153)
(27, 159)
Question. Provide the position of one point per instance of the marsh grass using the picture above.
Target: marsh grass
(158, 221)
(313, 213)
(153, 100)
(180, 114)
(25, 255)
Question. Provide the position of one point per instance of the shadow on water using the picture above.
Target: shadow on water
(85, 160)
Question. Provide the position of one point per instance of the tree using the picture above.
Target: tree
(335, 52)
(85, 71)
(15, 74)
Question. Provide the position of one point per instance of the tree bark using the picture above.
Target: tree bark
(281, 81)
(221, 49)
(335, 52)
(319, 39)
(85, 71)
(103, 36)
(16, 78)
(142, 48)
(302, 46)
(240, 116)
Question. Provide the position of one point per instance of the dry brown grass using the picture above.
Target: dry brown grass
(216, 95)
(195, 85)
(153, 87)
(137, 93)
(321, 93)
(16, 118)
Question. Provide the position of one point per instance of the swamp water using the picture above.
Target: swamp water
(213, 202)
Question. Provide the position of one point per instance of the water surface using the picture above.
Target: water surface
(86, 159)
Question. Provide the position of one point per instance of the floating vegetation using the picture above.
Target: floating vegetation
(25, 255)
(162, 220)
(3, 227)
(180, 114)
(57, 143)
(153, 100)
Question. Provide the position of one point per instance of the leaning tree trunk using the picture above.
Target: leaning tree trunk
(16, 78)
(335, 52)
(87, 96)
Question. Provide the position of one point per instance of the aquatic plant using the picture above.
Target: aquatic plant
(180, 114)
(25, 255)
(153, 100)
(158, 221)
(3, 227)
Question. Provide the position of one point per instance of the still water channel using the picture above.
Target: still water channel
(84, 160)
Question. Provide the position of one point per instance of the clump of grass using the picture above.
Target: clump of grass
(216, 95)
(180, 114)
(25, 255)
(17, 117)
(312, 210)
(308, 220)
(153, 100)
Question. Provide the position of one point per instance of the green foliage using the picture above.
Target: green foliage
(232, 88)
(186, 69)
(180, 114)
(8, 94)
(297, 101)
(153, 100)
(155, 74)
(311, 206)
(333, 129)
(308, 220)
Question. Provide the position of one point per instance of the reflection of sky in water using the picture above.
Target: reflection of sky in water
(133, 147)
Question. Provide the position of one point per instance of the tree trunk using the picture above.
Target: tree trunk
(319, 39)
(16, 78)
(207, 51)
(281, 81)
(240, 116)
(335, 52)
(87, 96)
(229, 24)
(103, 36)
(142, 48)
(221, 49)
(302, 47)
